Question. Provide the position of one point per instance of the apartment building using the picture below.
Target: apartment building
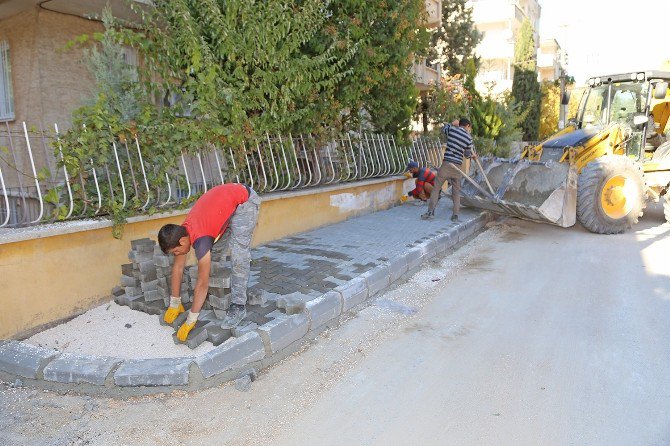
(550, 60)
(500, 21)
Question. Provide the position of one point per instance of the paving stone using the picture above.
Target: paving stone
(141, 243)
(127, 269)
(217, 335)
(221, 314)
(22, 359)
(377, 279)
(219, 303)
(243, 328)
(161, 261)
(147, 266)
(353, 293)
(276, 314)
(136, 302)
(196, 337)
(133, 291)
(153, 372)
(118, 291)
(149, 286)
(293, 303)
(324, 309)
(280, 333)
(70, 368)
(122, 300)
(234, 353)
(156, 307)
(149, 275)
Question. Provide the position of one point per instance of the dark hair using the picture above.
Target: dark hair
(169, 235)
(463, 122)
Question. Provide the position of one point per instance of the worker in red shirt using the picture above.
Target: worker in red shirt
(425, 181)
(228, 211)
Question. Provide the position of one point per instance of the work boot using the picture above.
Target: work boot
(454, 217)
(234, 316)
(429, 215)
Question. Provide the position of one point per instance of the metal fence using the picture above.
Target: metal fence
(33, 183)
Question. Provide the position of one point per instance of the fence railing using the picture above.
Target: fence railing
(33, 182)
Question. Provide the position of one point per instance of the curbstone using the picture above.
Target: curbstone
(324, 309)
(232, 354)
(353, 293)
(70, 368)
(377, 279)
(415, 257)
(22, 359)
(153, 372)
(397, 267)
(280, 333)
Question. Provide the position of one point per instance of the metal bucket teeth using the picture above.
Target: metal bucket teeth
(539, 191)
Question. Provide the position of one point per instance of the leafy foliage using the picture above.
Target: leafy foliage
(454, 43)
(525, 87)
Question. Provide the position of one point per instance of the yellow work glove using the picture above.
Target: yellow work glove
(187, 326)
(174, 310)
(408, 174)
(404, 198)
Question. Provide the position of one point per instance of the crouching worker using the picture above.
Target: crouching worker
(425, 181)
(229, 212)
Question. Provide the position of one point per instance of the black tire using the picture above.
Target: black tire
(593, 178)
(666, 206)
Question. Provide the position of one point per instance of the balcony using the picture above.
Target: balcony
(434, 11)
(426, 76)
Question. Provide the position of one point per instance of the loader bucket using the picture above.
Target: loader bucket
(539, 191)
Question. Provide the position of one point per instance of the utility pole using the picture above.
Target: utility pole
(562, 110)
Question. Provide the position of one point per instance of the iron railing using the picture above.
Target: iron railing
(33, 182)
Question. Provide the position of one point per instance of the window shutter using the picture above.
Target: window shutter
(6, 95)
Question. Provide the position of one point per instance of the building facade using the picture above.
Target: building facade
(550, 60)
(500, 22)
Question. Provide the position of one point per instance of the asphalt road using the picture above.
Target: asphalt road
(527, 335)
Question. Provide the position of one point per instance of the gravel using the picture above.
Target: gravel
(117, 331)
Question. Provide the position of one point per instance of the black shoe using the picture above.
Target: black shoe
(454, 217)
(234, 316)
(429, 215)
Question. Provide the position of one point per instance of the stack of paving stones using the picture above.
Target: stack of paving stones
(145, 286)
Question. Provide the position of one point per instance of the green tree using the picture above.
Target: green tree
(454, 43)
(525, 87)
(549, 108)
(389, 36)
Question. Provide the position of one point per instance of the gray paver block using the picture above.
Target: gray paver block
(153, 372)
(232, 354)
(294, 303)
(70, 368)
(128, 280)
(243, 328)
(377, 279)
(324, 309)
(221, 303)
(353, 293)
(217, 335)
(280, 333)
(23, 359)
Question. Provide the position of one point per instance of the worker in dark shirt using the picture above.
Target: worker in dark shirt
(424, 183)
(228, 212)
(459, 145)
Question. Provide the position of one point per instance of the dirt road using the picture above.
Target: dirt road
(529, 334)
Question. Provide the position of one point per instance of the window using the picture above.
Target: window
(6, 95)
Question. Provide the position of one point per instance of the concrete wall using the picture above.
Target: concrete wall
(48, 83)
(50, 274)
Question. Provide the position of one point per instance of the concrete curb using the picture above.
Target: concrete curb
(304, 317)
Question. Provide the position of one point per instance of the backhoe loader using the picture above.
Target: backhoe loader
(601, 169)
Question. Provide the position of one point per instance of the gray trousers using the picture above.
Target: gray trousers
(237, 239)
(452, 175)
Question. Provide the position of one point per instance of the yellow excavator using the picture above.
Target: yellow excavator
(601, 169)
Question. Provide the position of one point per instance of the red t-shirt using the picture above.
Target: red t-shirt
(208, 218)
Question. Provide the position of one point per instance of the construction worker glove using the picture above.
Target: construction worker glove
(171, 313)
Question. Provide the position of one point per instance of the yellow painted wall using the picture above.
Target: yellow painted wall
(46, 279)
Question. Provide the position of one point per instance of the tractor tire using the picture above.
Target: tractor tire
(610, 194)
(666, 206)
